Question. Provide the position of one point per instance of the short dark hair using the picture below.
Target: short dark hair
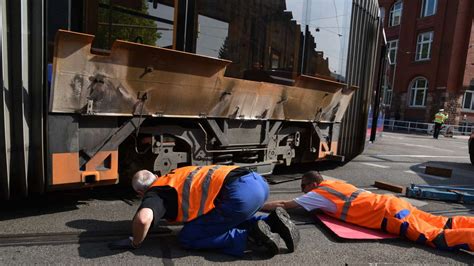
(313, 176)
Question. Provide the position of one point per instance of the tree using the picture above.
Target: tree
(224, 50)
(115, 24)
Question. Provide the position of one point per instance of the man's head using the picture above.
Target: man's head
(310, 181)
(142, 180)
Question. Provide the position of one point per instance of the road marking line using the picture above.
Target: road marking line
(420, 156)
(391, 136)
(376, 165)
(425, 146)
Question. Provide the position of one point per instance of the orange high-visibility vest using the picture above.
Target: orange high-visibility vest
(196, 187)
(354, 205)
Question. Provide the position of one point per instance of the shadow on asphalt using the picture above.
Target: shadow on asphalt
(301, 168)
(62, 201)
(161, 242)
(453, 181)
(457, 180)
(282, 174)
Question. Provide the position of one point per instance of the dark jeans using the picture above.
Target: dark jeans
(437, 129)
(225, 227)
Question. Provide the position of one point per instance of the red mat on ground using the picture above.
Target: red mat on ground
(351, 231)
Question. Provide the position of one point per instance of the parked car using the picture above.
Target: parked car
(471, 148)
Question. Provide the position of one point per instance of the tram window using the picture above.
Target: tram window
(143, 23)
(266, 39)
(165, 24)
(327, 38)
(260, 37)
(212, 38)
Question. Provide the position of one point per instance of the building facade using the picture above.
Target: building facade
(431, 59)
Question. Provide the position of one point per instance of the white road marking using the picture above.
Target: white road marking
(376, 165)
(391, 136)
(411, 172)
(425, 146)
(420, 156)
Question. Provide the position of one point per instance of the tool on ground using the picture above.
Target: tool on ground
(389, 186)
(445, 193)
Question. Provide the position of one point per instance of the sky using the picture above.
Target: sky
(332, 18)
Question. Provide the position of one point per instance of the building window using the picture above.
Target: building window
(419, 86)
(428, 8)
(423, 46)
(275, 60)
(392, 47)
(396, 14)
(468, 101)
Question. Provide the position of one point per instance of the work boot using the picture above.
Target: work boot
(260, 235)
(279, 221)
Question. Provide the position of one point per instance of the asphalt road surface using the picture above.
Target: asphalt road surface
(74, 227)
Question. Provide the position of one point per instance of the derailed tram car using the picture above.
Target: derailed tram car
(97, 89)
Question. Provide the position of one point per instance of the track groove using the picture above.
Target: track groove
(60, 238)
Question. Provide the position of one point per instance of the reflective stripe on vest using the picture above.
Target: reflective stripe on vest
(440, 118)
(347, 205)
(196, 188)
(186, 192)
(347, 200)
(205, 188)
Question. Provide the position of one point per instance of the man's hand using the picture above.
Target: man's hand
(125, 244)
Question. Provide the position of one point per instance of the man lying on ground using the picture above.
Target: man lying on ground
(385, 212)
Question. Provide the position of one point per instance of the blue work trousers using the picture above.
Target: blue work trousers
(225, 227)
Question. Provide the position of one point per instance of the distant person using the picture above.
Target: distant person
(440, 118)
(384, 212)
(217, 205)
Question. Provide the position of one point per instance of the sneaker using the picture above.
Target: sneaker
(260, 234)
(279, 221)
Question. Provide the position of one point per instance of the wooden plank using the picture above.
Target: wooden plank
(389, 187)
(438, 171)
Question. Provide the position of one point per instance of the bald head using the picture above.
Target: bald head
(142, 180)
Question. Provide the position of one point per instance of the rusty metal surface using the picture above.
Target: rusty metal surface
(179, 84)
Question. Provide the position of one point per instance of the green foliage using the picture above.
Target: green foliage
(224, 50)
(125, 27)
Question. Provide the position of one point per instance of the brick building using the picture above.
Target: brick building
(431, 50)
